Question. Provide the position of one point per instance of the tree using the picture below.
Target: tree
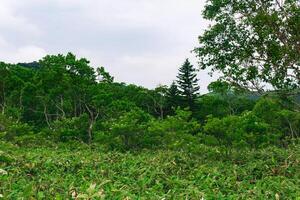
(4, 71)
(254, 43)
(159, 99)
(219, 87)
(131, 128)
(104, 76)
(173, 97)
(187, 83)
(61, 82)
(232, 99)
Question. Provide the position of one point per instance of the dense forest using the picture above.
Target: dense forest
(69, 130)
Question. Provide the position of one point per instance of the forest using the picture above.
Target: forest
(68, 130)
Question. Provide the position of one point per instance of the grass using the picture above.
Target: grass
(78, 172)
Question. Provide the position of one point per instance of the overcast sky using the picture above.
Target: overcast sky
(137, 41)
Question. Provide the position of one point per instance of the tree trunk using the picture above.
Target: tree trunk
(46, 116)
(93, 115)
(3, 103)
(90, 130)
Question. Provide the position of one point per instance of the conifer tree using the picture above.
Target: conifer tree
(173, 97)
(187, 83)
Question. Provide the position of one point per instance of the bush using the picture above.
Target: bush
(209, 140)
(130, 128)
(137, 129)
(5, 122)
(289, 123)
(283, 120)
(267, 109)
(10, 128)
(173, 132)
(70, 129)
(20, 133)
(243, 130)
(17, 130)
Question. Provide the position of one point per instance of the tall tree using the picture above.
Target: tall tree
(254, 43)
(188, 83)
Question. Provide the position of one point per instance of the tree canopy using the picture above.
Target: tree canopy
(255, 44)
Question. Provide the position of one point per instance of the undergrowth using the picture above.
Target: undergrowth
(80, 172)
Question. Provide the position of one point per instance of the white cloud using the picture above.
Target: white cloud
(3, 42)
(11, 54)
(11, 20)
(22, 54)
(29, 53)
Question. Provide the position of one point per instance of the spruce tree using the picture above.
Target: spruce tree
(173, 97)
(187, 83)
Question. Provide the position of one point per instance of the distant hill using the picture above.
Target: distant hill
(33, 65)
(255, 96)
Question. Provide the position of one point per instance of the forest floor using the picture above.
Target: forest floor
(67, 171)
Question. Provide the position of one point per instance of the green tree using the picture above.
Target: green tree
(254, 43)
(172, 98)
(104, 76)
(233, 99)
(5, 74)
(220, 87)
(131, 128)
(174, 131)
(61, 84)
(187, 83)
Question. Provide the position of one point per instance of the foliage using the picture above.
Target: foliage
(69, 129)
(253, 43)
(266, 109)
(67, 172)
(176, 131)
(173, 98)
(289, 123)
(10, 128)
(104, 76)
(223, 104)
(188, 83)
(220, 87)
(131, 128)
(271, 112)
(241, 131)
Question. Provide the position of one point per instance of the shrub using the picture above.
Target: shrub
(243, 130)
(283, 120)
(130, 128)
(19, 133)
(70, 128)
(5, 122)
(289, 123)
(174, 132)
(258, 132)
(267, 109)
(10, 128)
(17, 130)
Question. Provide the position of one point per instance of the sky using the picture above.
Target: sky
(138, 41)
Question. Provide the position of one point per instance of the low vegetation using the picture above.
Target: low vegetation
(79, 171)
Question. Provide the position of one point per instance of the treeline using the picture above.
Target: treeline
(63, 99)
